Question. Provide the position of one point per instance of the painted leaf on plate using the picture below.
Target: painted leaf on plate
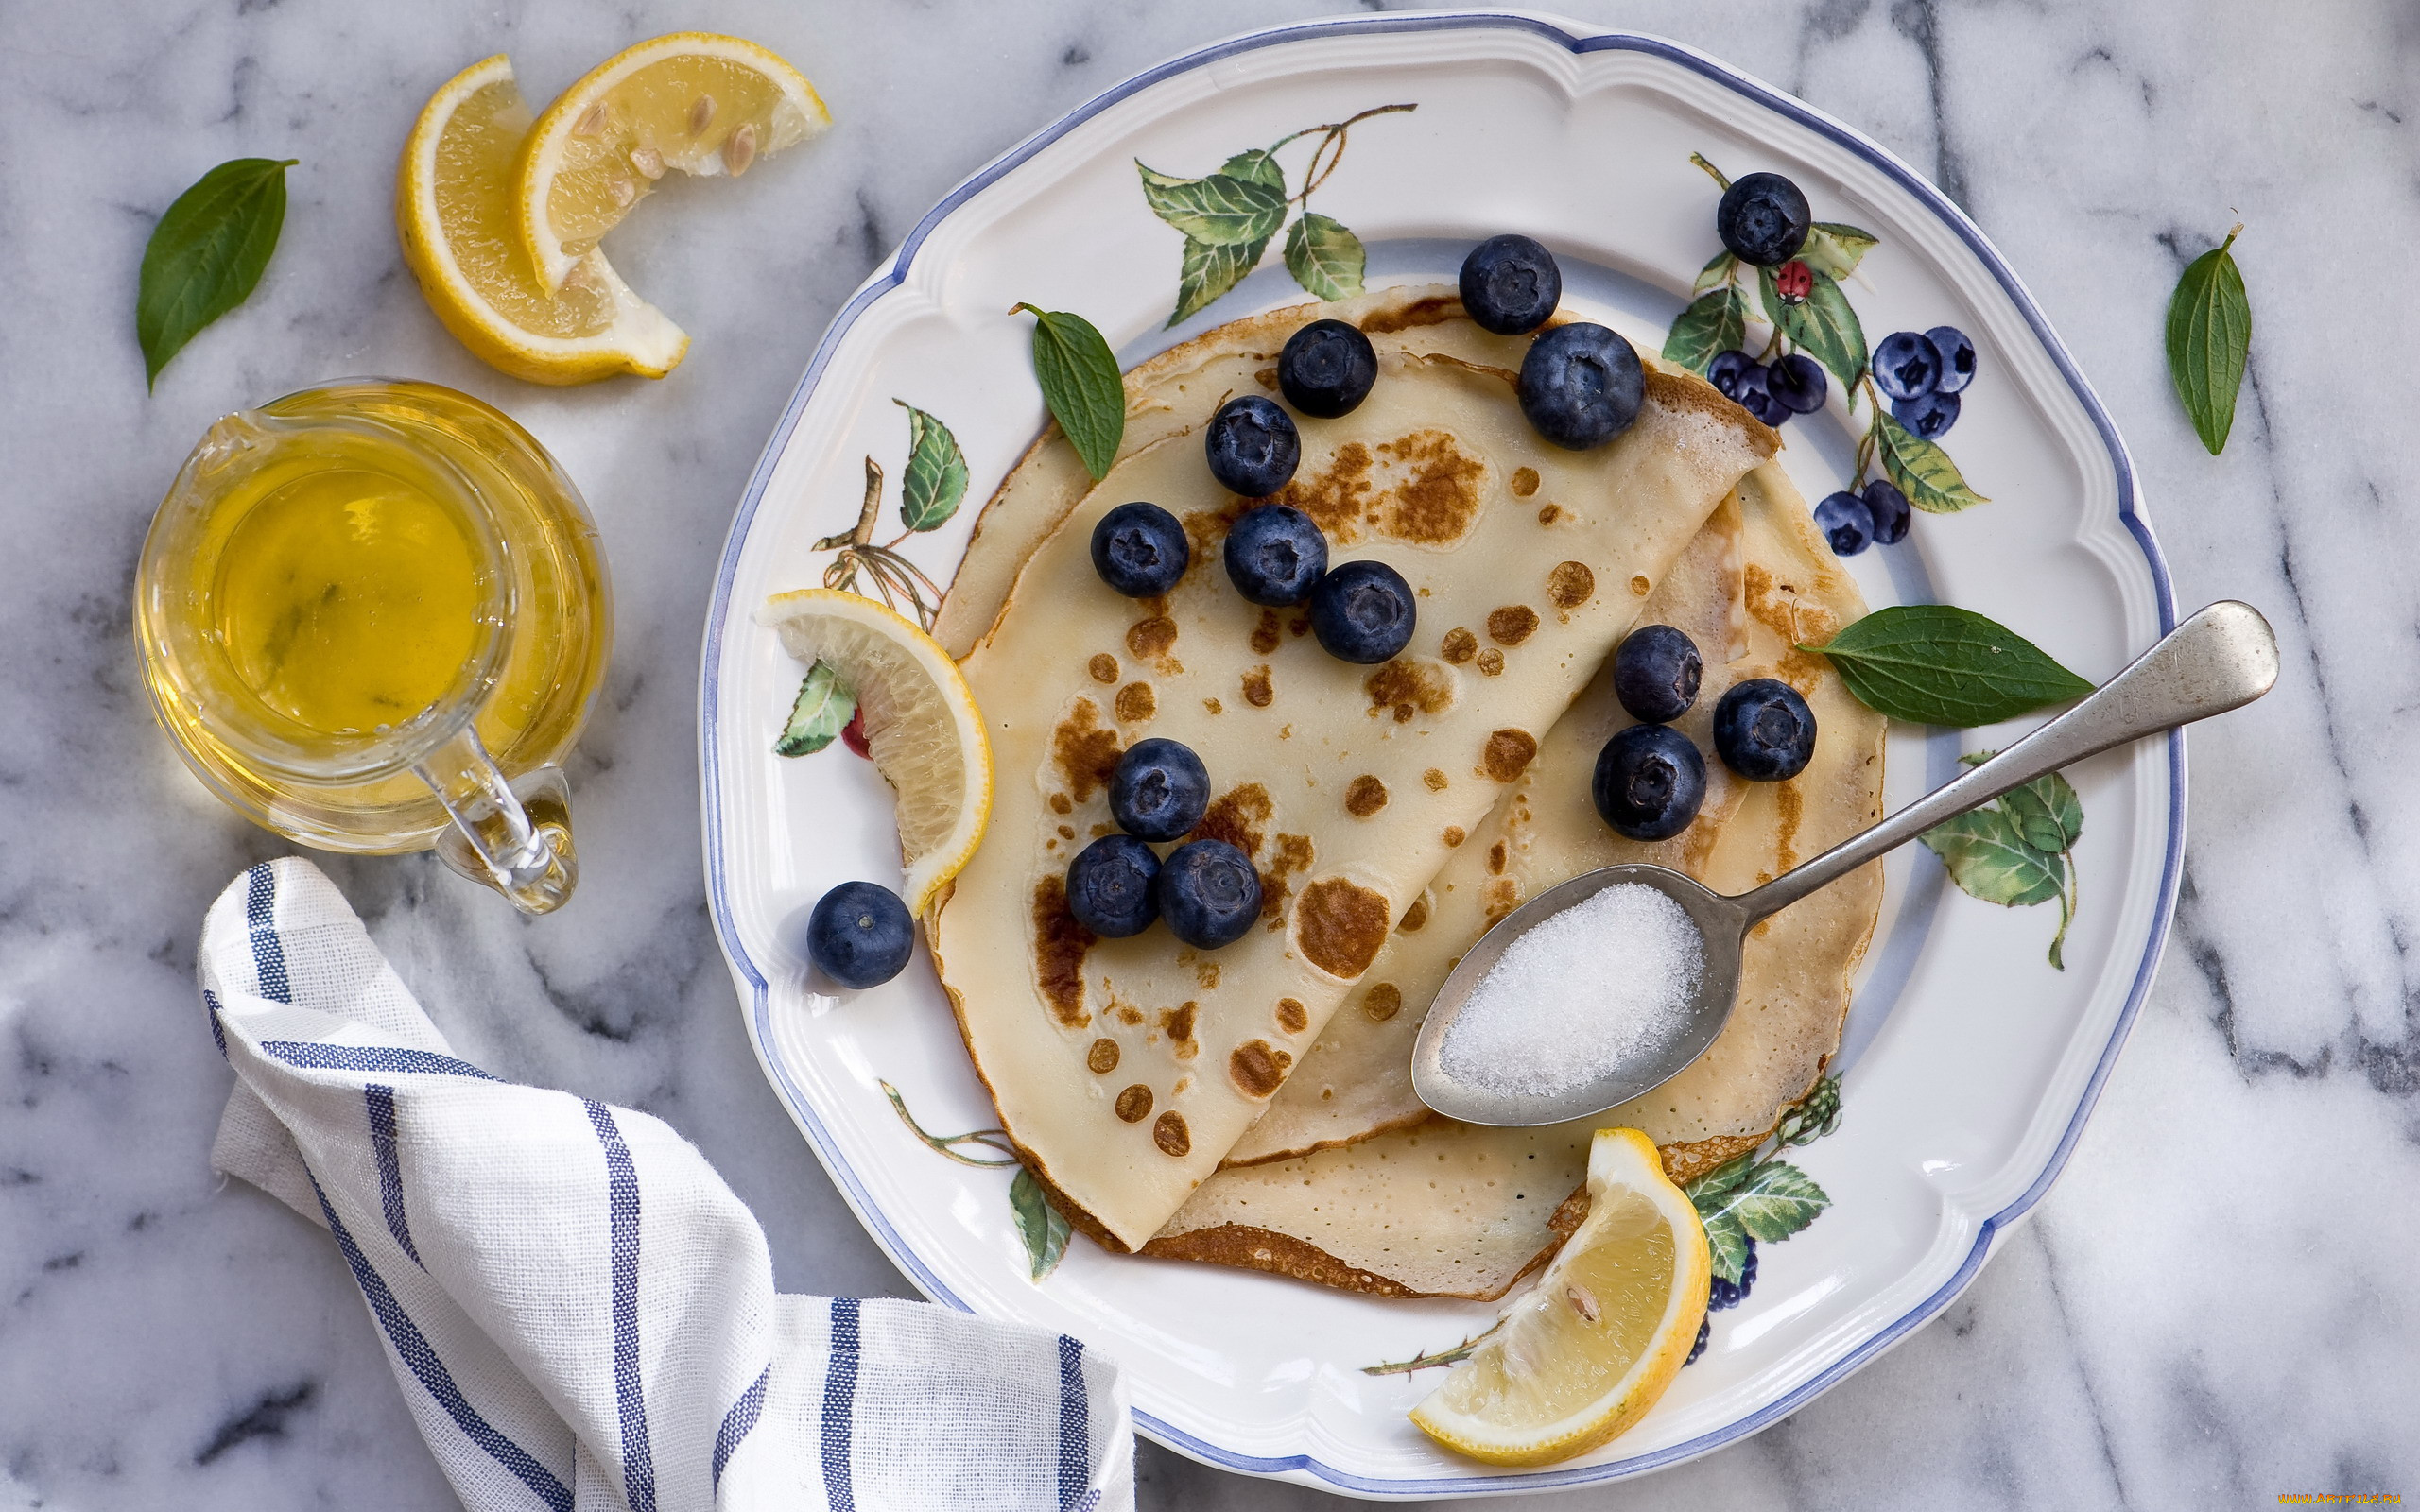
(1324, 257)
(1821, 325)
(1716, 273)
(1777, 1200)
(1222, 209)
(1989, 859)
(823, 709)
(1039, 1224)
(935, 482)
(1210, 271)
(1834, 250)
(1726, 1245)
(1922, 470)
(1714, 323)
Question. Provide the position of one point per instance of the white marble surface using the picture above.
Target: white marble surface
(2213, 1307)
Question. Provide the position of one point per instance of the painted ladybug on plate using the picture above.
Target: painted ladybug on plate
(1794, 280)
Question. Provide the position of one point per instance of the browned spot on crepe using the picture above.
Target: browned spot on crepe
(1277, 884)
(1104, 667)
(1512, 625)
(1085, 750)
(1206, 973)
(1497, 855)
(1178, 1022)
(1059, 944)
(1501, 896)
(1435, 309)
(1366, 796)
(1238, 816)
(1062, 803)
(1438, 502)
(1291, 1016)
(1257, 1068)
(1174, 1140)
(1265, 634)
(1134, 1103)
(1525, 482)
(1491, 661)
(1257, 692)
(1415, 915)
(1454, 835)
(1790, 805)
(1460, 646)
(1797, 621)
(1150, 637)
(1136, 702)
(1409, 687)
(1339, 925)
(1212, 705)
(1434, 779)
(1382, 1002)
(1639, 585)
(1336, 497)
(1549, 513)
(1509, 754)
(1102, 1056)
(1570, 584)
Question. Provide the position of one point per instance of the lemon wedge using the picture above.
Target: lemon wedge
(453, 212)
(691, 103)
(921, 724)
(1586, 1351)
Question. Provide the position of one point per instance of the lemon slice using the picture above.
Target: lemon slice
(1586, 1351)
(692, 102)
(454, 211)
(921, 726)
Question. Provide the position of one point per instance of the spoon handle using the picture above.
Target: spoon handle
(2220, 659)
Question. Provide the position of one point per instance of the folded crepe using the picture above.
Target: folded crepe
(1124, 1069)
(1393, 1201)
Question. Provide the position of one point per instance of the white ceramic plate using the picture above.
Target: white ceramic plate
(1970, 1063)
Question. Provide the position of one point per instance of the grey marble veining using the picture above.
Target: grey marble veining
(2215, 1306)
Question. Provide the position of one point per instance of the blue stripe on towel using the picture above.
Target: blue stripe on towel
(737, 1422)
(840, 1404)
(414, 1351)
(210, 1011)
(629, 1393)
(268, 952)
(1075, 1425)
(391, 1167)
(313, 1055)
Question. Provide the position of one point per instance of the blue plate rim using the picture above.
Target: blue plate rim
(1578, 44)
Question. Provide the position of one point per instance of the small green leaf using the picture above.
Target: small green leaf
(207, 254)
(1258, 165)
(935, 482)
(1939, 664)
(1777, 1200)
(1706, 1190)
(2046, 813)
(1324, 258)
(1989, 859)
(1834, 250)
(1822, 324)
(1922, 470)
(823, 709)
(1726, 1243)
(2209, 336)
(1210, 271)
(1039, 1224)
(1716, 273)
(1081, 383)
(1222, 209)
(1714, 323)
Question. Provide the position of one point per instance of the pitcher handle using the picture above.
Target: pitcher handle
(513, 836)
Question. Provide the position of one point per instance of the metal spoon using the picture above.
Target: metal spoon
(2220, 659)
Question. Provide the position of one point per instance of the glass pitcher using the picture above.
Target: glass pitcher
(374, 617)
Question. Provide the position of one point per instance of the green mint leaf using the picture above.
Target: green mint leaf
(1222, 209)
(1716, 273)
(1920, 469)
(1081, 383)
(1712, 324)
(1210, 271)
(1726, 1245)
(1989, 859)
(1039, 1224)
(206, 255)
(1939, 664)
(1777, 1200)
(1834, 250)
(823, 709)
(935, 483)
(2209, 336)
(1821, 325)
(1324, 258)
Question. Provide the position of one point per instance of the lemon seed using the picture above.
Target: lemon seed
(702, 115)
(1582, 1301)
(648, 161)
(591, 121)
(738, 153)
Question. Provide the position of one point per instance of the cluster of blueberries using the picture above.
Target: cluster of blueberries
(1649, 780)
(1922, 373)
(1207, 890)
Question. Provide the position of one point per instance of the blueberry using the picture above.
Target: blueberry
(1705, 1332)
(1209, 893)
(1756, 396)
(1363, 612)
(1764, 730)
(1927, 415)
(1276, 554)
(1326, 369)
(1798, 382)
(1581, 386)
(1110, 886)
(1252, 446)
(1655, 674)
(1511, 285)
(1159, 790)
(1890, 509)
(1721, 1293)
(1726, 370)
(1906, 366)
(1846, 522)
(1763, 219)
(1957, 358)
(859, 935)
(1648, 783)
(1140, 550)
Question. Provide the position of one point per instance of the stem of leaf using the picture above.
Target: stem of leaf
(1711, 171)
(991, 1139)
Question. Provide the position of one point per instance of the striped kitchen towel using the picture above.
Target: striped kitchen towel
(581, 1315)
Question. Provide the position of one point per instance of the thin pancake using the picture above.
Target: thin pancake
(1124, 1069)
